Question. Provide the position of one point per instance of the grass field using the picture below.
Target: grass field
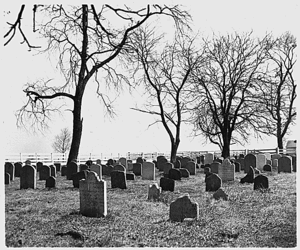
(42, 217)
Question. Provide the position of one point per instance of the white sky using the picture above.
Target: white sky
(129, 132)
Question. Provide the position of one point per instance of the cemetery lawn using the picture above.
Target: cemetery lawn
(51, 218)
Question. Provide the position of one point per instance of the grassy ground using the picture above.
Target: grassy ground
(41, 217)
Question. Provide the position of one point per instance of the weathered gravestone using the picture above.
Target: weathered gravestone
(63, 171)
(208, 158)
(137, 169)
(28, 177)
(220, 194)
(123, 162)
(212, 182)
(107, 169)
(250, 160)
(184, 173)
(183, 208)
(120, 167)
(184, 161)
(10, 168)
(285, 164)
(191, 167)
(7, 178)
(83, 167)
(215, 166)
(166, 167)
(118, 179)
(261, 182)
(167, 184)
(174, 174)
(161, 160)
(226, 171)
(154, 192)
(45, 172)
(18, 166)
(267, 167)
(275, 164)
(79, 176)
(148, 171)
(130, 166)
(52, 170)
(97, 169)
(93, 196)
(57, 166)
(261, 160)
(249, 178)
(242, 162)
(72, 168)
(39, 164)
(51, 182)
(237, 166)
(130, 176)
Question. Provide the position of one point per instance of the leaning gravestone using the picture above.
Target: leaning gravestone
(267, 167)
(52, 170)
(250, 160)
(184, 173)
(183, 208)
(215, 166)
(213, 182)
(260, 161)
(28, 177)
(167, 184)
(51, 182)
(137, 169)
(191, 167)
(7, 178)
(226, 171)
(261, 182)
(18, 166)
(93, 196)
(120, 167)
(148, 171)
(285, 164)
(174, 174)
(166, 167)
(249, 178)
(154, 192)
(208, 158)
(10, 168)
(123, 162)
(118, 179)
(45, 172)
(72, 168)
(79, 176)
(97, 169)
(220, 194)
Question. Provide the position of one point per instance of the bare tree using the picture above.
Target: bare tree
(85, 43)
(62, 141)
(165, 76)
(278, 90)
(226, 90)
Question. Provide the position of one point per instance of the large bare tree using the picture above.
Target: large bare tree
(85, 41)
(226, 109)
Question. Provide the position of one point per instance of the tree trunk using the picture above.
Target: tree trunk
(279, 141)
(226, 146)
(174, 147)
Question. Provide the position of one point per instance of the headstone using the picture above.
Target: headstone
(177, 163)
(261, 160)
(275, 164)
(107, 169)
(88, 163)
(294, 163)
(57, 166)
(139, 160)
(120, 167)
(269, 162)
(39, 164)
(256, 171)
(10, 168)
(7, 178)
(250, 160)
(215, 166)
(261, 182)
(63, 170)
(137, 169)
(166, 167)
(226, 171)
(148, 171)
(28, 162)
(45, 172)
(237, 166)
(267, 167)
(218, 160)
(51, 182)
(183, 208)
(28, 177)
(213, 182)
(154, 192)
(72, 168)
(76, 177)
(83, 167)
(242, 162)
(220, 194)
(285, 164)
(130, 176)
(52, 170)
(167, 184)
(93, 196)
(161, 160)
(241, 156)
(184, 161)
(184, 173)
(208, 158)
(207, 170)
(202, 159)
(191, 167)
(18, 166)
(174, 174)
(98, 161)
(110, 162)
(130, 166)
(268, 156)
(97, 169)
(275, 156)
(118, 179)
(249, 178)
(123, 162)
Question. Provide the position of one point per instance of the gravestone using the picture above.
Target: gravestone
(97, 169)
(107, 169)
(7, 178)
(28, 177)
(249, 178)
(218, 160)
(130, 166)
(98, 162)
(137, 169)
(123, 162)
(237, 166)
(167, 184)
(120, 167)
(220, 194)
(285, 164)
(161, 160)
(39, 164)
(242, 162)
(213, 182)
(10, 168)
(256, 171)
(261, 160)
(241, 156)
(207, 170)
(275, 156)
(51, 182)
(166, 167)
(110, 162)
(118, 179)
(57, 166)
(45, 172)
(184, 173)
(174, 174)
(294, 163)
(191, 167)
(83, 167)
(250, 160)
(63, 171)
(130, 176)
(261, 182)
(208, 158)
(154, 192)
(88, 163)
(139, 160)
(52, 170)
(184, 161)
(148, 171)
(93, 196)
(268, 156)
(177, 163)
(18, 166)
(28, 162)
(202, 157)
(76, 177)
(183, 208)
(72, 168)
(269, 162)
(267, 167)
(226, 171)
(215, 166)
(275, 164)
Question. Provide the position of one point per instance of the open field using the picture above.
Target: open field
(42, 217)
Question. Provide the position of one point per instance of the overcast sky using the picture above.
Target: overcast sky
(128, 131)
